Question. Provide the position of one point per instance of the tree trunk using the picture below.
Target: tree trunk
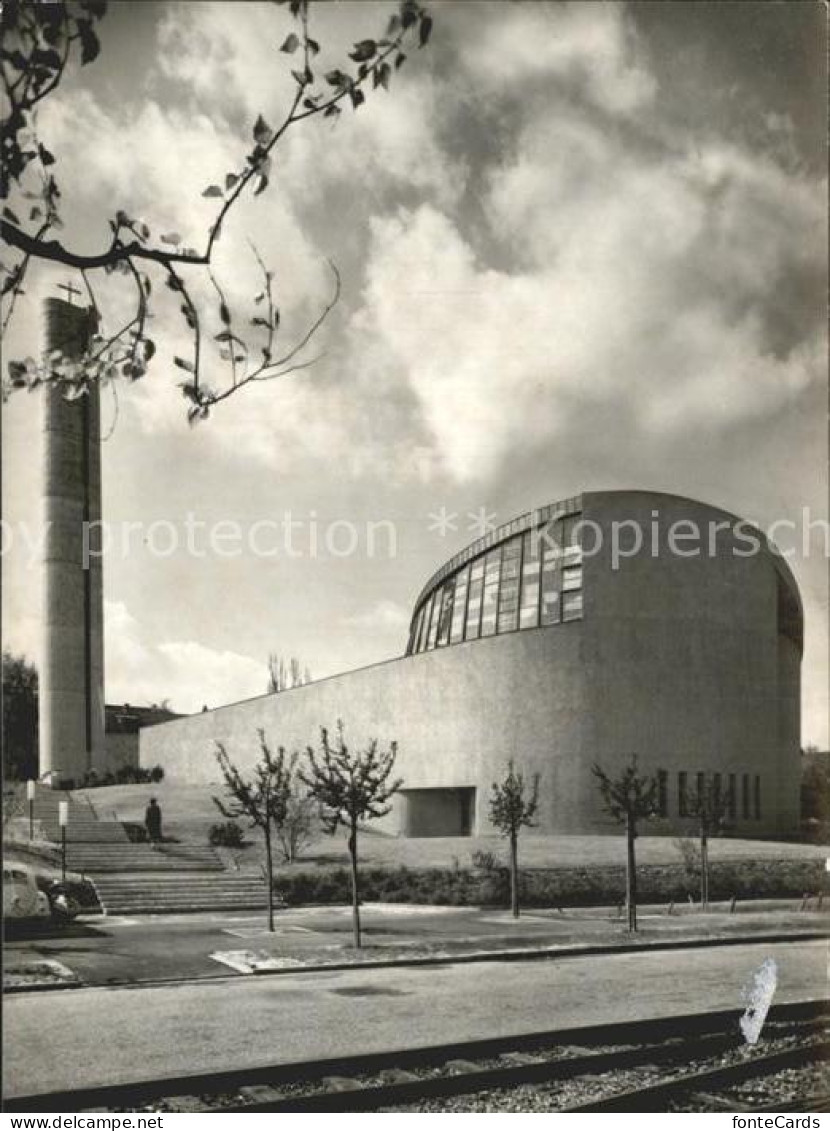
(704, 871)
(269, 879)
(355, 889)
(631, 875)
(514, 876)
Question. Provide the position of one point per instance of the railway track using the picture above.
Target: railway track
(694, 1062)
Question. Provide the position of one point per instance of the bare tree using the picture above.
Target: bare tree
(282, 676)
(709, 807)
(300, 826)
(264, 799)
(510, 812)
(39, 41)
(629, 799)
(350, 789)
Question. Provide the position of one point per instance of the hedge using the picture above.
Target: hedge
(559, 887)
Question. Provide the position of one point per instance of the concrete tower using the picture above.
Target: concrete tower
(71, 693)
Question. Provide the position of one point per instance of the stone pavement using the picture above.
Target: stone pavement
(129, 951)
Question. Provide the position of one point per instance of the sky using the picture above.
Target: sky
(582, 246)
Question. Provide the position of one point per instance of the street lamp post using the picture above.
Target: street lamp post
(30, 797)
(63, 821)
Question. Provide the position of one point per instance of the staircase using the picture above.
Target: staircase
(170, 892)
(83, 826)
(134, 878)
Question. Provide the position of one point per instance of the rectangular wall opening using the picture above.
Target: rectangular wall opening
(438, 812)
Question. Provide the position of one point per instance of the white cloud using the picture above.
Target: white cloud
(664, 284)
(185, 672)
(385, 614)
(591, 47)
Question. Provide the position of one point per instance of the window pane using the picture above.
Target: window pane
(492, 571)
(551, 578)
(445, 619)
(682, 794)
(433, 620)
(460, 606)
(571, 579)
(745, 796)
(416, 639)
(572, 606)
(509, 594)
(529, 613)
(473, 630)
(663, 793)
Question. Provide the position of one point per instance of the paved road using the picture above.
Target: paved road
(96, 1035)
(120, 951)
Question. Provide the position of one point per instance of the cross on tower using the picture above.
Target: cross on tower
(70, 290)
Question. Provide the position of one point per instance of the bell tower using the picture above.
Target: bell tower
(71, 691)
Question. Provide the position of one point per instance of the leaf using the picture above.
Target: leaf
(313, 45)
(291, 44)
(425, 30)
(213, 190)
(89, 43)
(46, 157)
(7, 212)
(337, 78)
(183, 363)
(262, 131)
(257, 321)
(224, 313)
(363, 51)
(230, 181)
(357, 96)
(171, 237)
(331, 112)
(381, 76)
(149, 348)
(260, 297)
(262, 185)
(400, 60)
(300, 77)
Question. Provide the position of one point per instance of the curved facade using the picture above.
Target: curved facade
(609, 624)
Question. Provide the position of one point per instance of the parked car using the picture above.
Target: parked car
(22, 899)
(28, 897)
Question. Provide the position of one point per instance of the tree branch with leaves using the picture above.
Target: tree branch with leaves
(629, 798)
(351, 788)
(709, 808)
(264, 799)
(512, 808)
(39, 41)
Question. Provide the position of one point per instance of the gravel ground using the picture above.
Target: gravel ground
(555, 1096)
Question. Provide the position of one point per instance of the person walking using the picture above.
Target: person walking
(152, 822)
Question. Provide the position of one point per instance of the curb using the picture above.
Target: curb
(565, 951)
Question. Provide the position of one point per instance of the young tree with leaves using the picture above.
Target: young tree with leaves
(629, 798)
(511, 810)
(282, 676)
(709, 807)
(264, 799)
(40, 42)
(351, 788)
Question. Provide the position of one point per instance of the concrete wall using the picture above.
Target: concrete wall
(677, 660)
(71, 697)
(687, 667)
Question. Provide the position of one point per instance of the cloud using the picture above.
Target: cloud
(590, 48)
(383, 615)
(672, 285)
(185, 672)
